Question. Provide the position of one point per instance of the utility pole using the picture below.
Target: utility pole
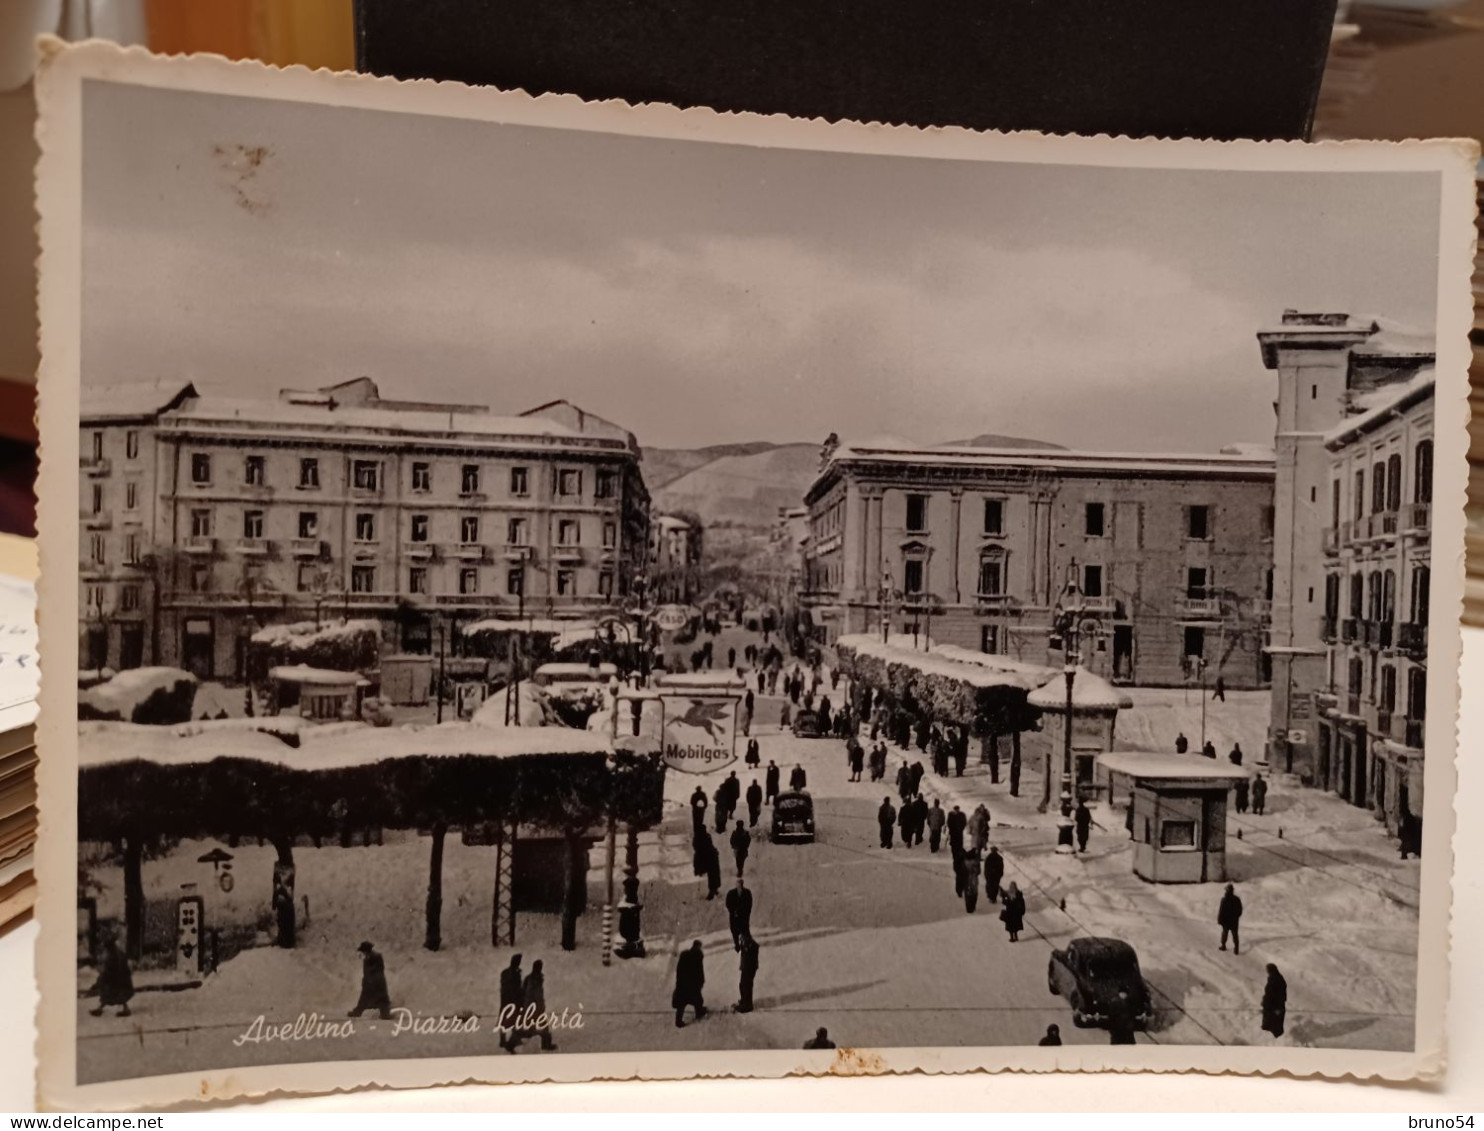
(442, 668)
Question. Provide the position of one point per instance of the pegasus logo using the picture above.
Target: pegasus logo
(705, 716)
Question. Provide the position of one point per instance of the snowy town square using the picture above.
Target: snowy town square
(733, 598)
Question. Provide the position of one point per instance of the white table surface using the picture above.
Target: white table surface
(1463, 1090)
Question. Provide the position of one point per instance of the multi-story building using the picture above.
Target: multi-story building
(976, 547)
(674, 558)
(1327, 363)
(1376, 595)
(336, 502)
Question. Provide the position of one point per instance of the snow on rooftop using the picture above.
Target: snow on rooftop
(128, 689)
(1382, 402)
(324, 748)
(1054, 459)
(936, 663)
(143, 398)
(302, 634)
(1090, 692)
(1159, 764)
(321, 677)
(545, 625)
(723, 679)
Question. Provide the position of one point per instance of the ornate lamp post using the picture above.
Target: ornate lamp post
(884, 595)
(1071, 622)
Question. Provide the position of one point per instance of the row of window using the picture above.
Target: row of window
(517, 530)
(315, 579)
(1197, 519)
(1383, 687)
(1385, 485)
(100, 499)
(131, 445)
(1373, 596)
(367, 475)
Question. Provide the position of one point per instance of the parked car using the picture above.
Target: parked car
(1101, 981)
(806, 725)
(793, 817)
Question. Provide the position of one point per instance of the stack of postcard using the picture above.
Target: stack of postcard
(18, 687)
(1474, 589)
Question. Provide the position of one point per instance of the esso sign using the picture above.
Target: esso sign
(671, 618)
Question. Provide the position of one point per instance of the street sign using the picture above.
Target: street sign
(189, 914)
(700, 732)
(1298, 737)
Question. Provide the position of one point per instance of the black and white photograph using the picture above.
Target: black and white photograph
(567, 591)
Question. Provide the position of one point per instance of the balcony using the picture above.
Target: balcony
(1382, 526)
(1412, 638)
(566, 553)
(103, 521)
(1327, 629)
(307, 548)
(1350, 629)
(256, 547)
(993, 600)
(481, 600)
(362, 551)
(1354, 704)
(257, 490)
(97, 468)
(1412, 732)
(517, 552)
(467, 552)
(1416, 518)
(417, 551)
(1198, 608)
(1330, 540)
(1369, 633)
(199, 544)
(1384, 633)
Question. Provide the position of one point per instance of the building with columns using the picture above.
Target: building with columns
(1327, 364)
(235, 513)
(976, 546)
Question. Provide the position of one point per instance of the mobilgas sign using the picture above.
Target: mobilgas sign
(700, 732)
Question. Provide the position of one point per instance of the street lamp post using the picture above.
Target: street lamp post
(883, 603)
(1071, 621)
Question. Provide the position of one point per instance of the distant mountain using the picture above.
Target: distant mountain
(665, 465)
(745, 487)
(995, 440)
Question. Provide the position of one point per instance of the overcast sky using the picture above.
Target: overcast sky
(703, 294)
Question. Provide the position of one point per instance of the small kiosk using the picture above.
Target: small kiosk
(318, 693)
(1179, 813)
(1095, 707)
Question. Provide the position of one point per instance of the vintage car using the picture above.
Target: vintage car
(1101, 981)
(806, 725)
(793, 817)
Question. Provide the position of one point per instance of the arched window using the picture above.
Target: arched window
(1378, 487)
(1394, 483)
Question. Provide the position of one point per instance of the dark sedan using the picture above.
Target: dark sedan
(1101, 981)
(793, 817)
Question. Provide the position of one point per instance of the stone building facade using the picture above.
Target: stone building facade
(1326, 364)
(976, 547)
(336, 502)
(1373, 709)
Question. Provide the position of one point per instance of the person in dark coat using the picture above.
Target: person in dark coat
(1241, 790)
(698, 804)
(1209, 750)
(857, 759)
(116, 982)
(1128, 818)
(957, 822)
(1235, 757)
(754, 753)
(919, 818)
(924, 731)
(1220, 692)
(1082, 820)
(690, 980)
(708, 863)
(533, 993)
(741, 841)
(904, 777)
(825, 720)
(1121, 1037)
(886, 818)
(1274, 1002)
(512, 985)
(747, 974)
(969, 884)
(754, 802)
(797, 778)
(935, 819)
(731, 657)
(739, 913)
(1259, 795)
(1229, 919)
(820, 1040)
(960, 756)
(916, 775)
(733, 789)
(994, 873)
(1182, 744)
(979, 828)
(770, 782)
(762, 679)
(374, 993)
(719, 797)
(1013, 913)
(904, 822)
(1052, 1037)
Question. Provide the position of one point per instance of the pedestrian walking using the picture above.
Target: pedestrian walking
(797, 778)
(1220, 692)
(969, 885)
(1052, 1038)
(857, 755)
(770, 780)
(533, 1003)
(746, 974)
(886, 818)
(979, 829)
(936, 818)
(1229, 918)
(762, 680)
(690, 981)
(1259, 795)
(1274, 1002)
(1082, 822)
(749, 704)
(994, 873)
(878, 761)
(116, 982)
(754, 756)
(512, 985)
(719, 797)
(904, 822)
(1182, 744)
(741, 841)
(957, 822)
(1013, 913)
(1241, 790)
(739, 913)
(754, 803)
(1209, 750)
(709, 863)
(1235, 757)
(731, 657)
(960, 757)
(904, 779)
(919, 818)
(820, 1040)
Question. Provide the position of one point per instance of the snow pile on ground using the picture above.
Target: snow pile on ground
(532, 708)
(304, 634)
(139, 694)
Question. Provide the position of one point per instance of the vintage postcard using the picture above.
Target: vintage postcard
(565, 591)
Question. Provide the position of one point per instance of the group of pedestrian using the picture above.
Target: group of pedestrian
(523, 998)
